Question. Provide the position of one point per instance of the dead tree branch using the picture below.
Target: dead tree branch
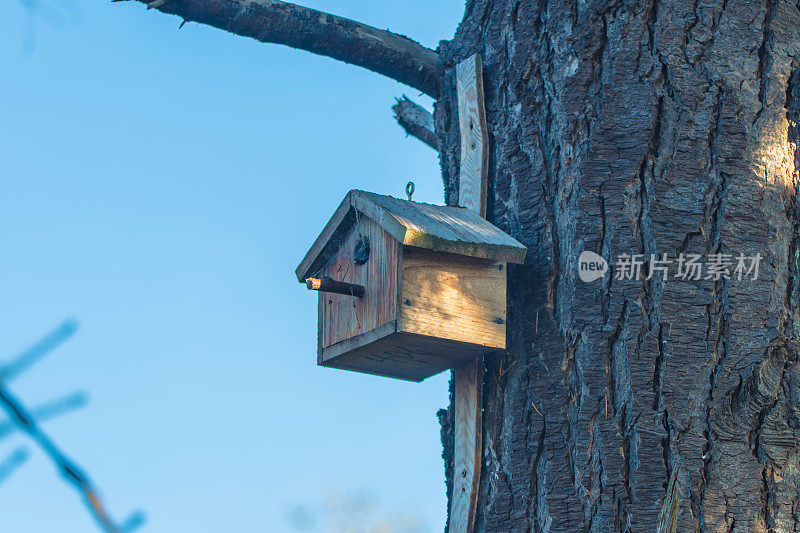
(271, 21)
(416, 120)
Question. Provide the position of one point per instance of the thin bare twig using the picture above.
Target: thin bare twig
(68, 469)
(26, 422)
(10, 464)
(49, 410)
(38, 351)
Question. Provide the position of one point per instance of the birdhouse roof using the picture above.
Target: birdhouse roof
(442, 228)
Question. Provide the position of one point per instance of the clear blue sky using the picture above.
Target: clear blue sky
(160, 186)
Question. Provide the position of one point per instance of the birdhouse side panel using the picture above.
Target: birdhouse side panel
(342, 316)
(454, 297)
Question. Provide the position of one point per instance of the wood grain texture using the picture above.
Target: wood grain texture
(472, 195)
(467, 442)
(472, 182)
(458, 309)
(342, 315)
(399, 354)
(359, 341)
(668, 514)
(326, 245)
(320, 327)
(439, 227)
(454, 297)
(434, 227)
(453, 310)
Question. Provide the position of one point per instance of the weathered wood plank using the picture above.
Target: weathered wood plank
(399, 355)
(472, 187)
(439, 227)
(454, 297)
(353, 343)
(467, 446)
(316, 254)
(344, 316)
(434, 227)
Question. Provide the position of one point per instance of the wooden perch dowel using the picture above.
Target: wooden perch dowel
(416, 120)
(271, 21)
(326, 284)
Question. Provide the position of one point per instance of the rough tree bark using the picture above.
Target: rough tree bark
(639, 127)
(651, 127)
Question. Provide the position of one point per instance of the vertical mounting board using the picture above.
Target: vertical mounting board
(474, 165)
(472, 191)
(467, 446)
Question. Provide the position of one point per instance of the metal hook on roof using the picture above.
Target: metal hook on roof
(409, 189)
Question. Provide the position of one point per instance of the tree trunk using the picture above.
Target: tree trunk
(661, 127)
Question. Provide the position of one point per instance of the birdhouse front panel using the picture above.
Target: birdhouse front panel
(407, 289)
(367, 256)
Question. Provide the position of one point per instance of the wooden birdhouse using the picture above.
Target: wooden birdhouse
(408, 289)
